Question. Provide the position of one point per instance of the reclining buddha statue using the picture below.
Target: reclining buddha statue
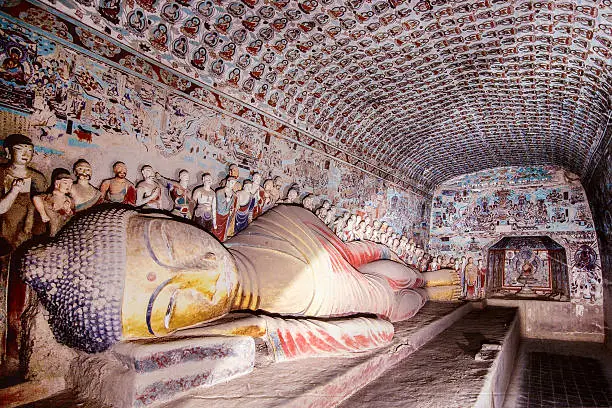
(114, 274)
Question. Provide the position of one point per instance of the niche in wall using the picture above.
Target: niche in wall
(528, 267)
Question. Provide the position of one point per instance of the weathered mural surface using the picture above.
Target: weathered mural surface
(471, 213)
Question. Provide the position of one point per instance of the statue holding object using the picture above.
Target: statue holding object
(148, 190)
(56, 208)
(179, 193)
(19, 183)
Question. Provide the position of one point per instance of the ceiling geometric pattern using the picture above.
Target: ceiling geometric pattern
(432, 89)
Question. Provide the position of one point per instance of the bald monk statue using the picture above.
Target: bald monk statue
(114, 274)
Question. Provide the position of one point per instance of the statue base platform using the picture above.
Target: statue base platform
(142, 374)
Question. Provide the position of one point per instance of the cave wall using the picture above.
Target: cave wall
(471, 213)
(599, 191)
(92, 99)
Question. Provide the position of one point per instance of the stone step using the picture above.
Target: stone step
(140, 374)
(468, 365)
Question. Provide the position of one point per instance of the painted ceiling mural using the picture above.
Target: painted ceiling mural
(406, 85)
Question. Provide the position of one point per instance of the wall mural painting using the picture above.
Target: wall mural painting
(137, 141)
(469, 214)
(378, 77)
(152, 89)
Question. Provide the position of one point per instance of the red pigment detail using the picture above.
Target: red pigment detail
(319, 343)
(331, 340)
(289, 345)
(303, 345)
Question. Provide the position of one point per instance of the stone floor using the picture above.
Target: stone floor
(561, 374)
(444, 373)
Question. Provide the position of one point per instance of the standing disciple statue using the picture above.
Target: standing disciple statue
(270, 195)
(83, 193)
(259, 194)
(244, 204)
(119, 189)
(206, 204)
(148, 190)
(308, 202)
(226, 206)
(322, 211)
(292, 196)
(179, 193)
(340, 223)
(19, 183)
(331, 216)
(56, 208)
(471, 279)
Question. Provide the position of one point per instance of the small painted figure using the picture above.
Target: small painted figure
(226, 206)
(83, 193)
(179, 193)
(148, 190)
(19, 183)
(56, 207)
(331, 216)
(119, 189)
(206, 204)
(308, 202)
(110, 9)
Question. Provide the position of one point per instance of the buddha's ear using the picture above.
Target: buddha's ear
(7, 151)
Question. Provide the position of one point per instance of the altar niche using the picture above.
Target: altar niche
(528, 267)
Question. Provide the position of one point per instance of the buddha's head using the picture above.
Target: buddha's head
(114, 274)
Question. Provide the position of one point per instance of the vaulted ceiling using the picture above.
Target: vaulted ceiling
(432, 89)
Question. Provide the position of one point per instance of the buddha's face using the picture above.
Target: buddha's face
(176, 276)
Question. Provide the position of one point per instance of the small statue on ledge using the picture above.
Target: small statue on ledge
(83, 193)
(119, 189)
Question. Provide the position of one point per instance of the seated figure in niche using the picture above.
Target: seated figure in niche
(148, 190)
(179, 193)
(56, 207)
(245, 201)
(226, 206)
(173, 275)
(119, 189)
(205, 213)
(83, 193)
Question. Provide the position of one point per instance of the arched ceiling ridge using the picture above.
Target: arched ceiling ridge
(417, 86)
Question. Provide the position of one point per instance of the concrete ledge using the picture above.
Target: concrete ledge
(568, 321)
(493, 391)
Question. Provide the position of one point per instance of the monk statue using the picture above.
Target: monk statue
(119, 189)
(19, 183)
(205, 213)
(56, 208)
(114, 274)
(148, 190)
(83, 193)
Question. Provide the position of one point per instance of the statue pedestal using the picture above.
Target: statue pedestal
(142, 374)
